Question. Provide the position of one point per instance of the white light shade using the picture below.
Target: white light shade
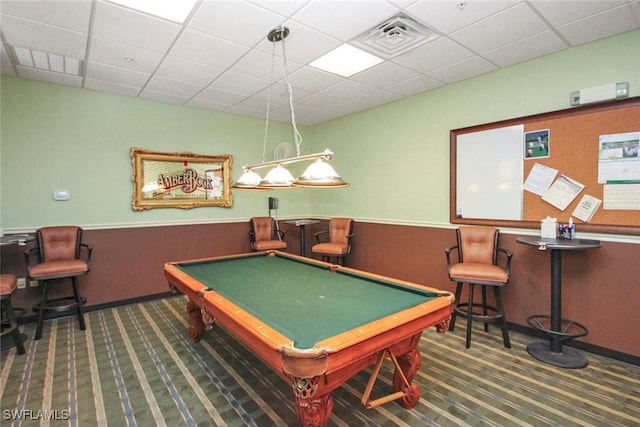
(320, 174)
(346, 61)
(249, 179)
(278, 177)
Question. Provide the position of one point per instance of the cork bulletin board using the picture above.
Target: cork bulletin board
(565, 140)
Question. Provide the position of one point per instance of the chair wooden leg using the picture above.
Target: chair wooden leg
(485, 311)
(78, 298)
(469, 315)
(41, 310)
(503, 320)
(452, 322)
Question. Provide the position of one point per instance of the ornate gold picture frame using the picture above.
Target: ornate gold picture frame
(180, 180)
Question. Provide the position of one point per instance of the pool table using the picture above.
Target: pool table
(316, 324)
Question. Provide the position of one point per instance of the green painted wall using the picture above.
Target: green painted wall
(396, 156)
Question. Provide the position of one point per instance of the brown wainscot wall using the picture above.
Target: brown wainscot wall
(600, 286)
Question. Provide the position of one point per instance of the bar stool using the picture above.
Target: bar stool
(8, 284)
(477, 265)
(60, 255)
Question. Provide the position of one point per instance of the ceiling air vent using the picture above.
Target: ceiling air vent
(396, 35)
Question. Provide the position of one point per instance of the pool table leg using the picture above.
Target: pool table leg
(409, 364)
(196, 329)
(312, 411)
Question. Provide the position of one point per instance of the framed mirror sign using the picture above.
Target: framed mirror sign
(180, 180)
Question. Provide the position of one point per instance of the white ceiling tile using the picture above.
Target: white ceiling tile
(353, 18)
(384, 75)
(208, 50)
(346, 89)
(121, 55)
(463, 70)
(522, 50)
(303, 45)
(187, 71)
(119, 76)
(245, 111)
(599, 26)
(239, 83)
(172, 87)
(165, 97)
(376, 97)
(317, 101)
(217, 96)
(446, 17)
(46, 38)
(416, 85)
(259, 64)
(206, 104)
(505, 27)
(110, 87)
(434, 55)
(71, 15)
(281, 7)
(312, 79)
(236, 20)
(127, 26)
(564, 12)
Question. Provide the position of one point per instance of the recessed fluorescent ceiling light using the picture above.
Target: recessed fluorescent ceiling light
(346, 61)
(173, 10)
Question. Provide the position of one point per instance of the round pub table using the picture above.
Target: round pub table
(554, 326)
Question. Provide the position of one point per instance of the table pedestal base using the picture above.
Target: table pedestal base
(567, 358)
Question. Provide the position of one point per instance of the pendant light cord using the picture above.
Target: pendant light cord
(296, 135)
(268, 113)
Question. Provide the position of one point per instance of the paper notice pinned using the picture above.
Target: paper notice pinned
(586, 208)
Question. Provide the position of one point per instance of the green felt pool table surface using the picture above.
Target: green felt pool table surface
(304, 301)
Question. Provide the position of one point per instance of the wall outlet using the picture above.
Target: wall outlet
(22, 283)
(33, 283)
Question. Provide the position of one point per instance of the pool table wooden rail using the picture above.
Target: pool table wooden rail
(317, 371)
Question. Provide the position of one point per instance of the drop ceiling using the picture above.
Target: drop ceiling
(220, 59)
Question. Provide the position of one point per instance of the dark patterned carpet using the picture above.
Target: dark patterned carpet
(134, 366)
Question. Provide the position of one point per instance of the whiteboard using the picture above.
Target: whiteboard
(489, 174)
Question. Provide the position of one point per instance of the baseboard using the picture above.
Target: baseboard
(23, 319)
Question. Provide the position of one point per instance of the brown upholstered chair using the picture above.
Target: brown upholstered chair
(478, 259)
(60, 255)
(339, 236)
(8, 284)
(265, 236)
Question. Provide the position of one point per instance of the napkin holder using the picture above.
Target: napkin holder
(549, 228)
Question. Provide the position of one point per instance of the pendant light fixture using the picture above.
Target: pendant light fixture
(319, 174)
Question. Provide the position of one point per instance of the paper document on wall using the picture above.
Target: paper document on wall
(619, 157)
(586, 208)
(540, 179)
(622, 197)
(562, 192)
